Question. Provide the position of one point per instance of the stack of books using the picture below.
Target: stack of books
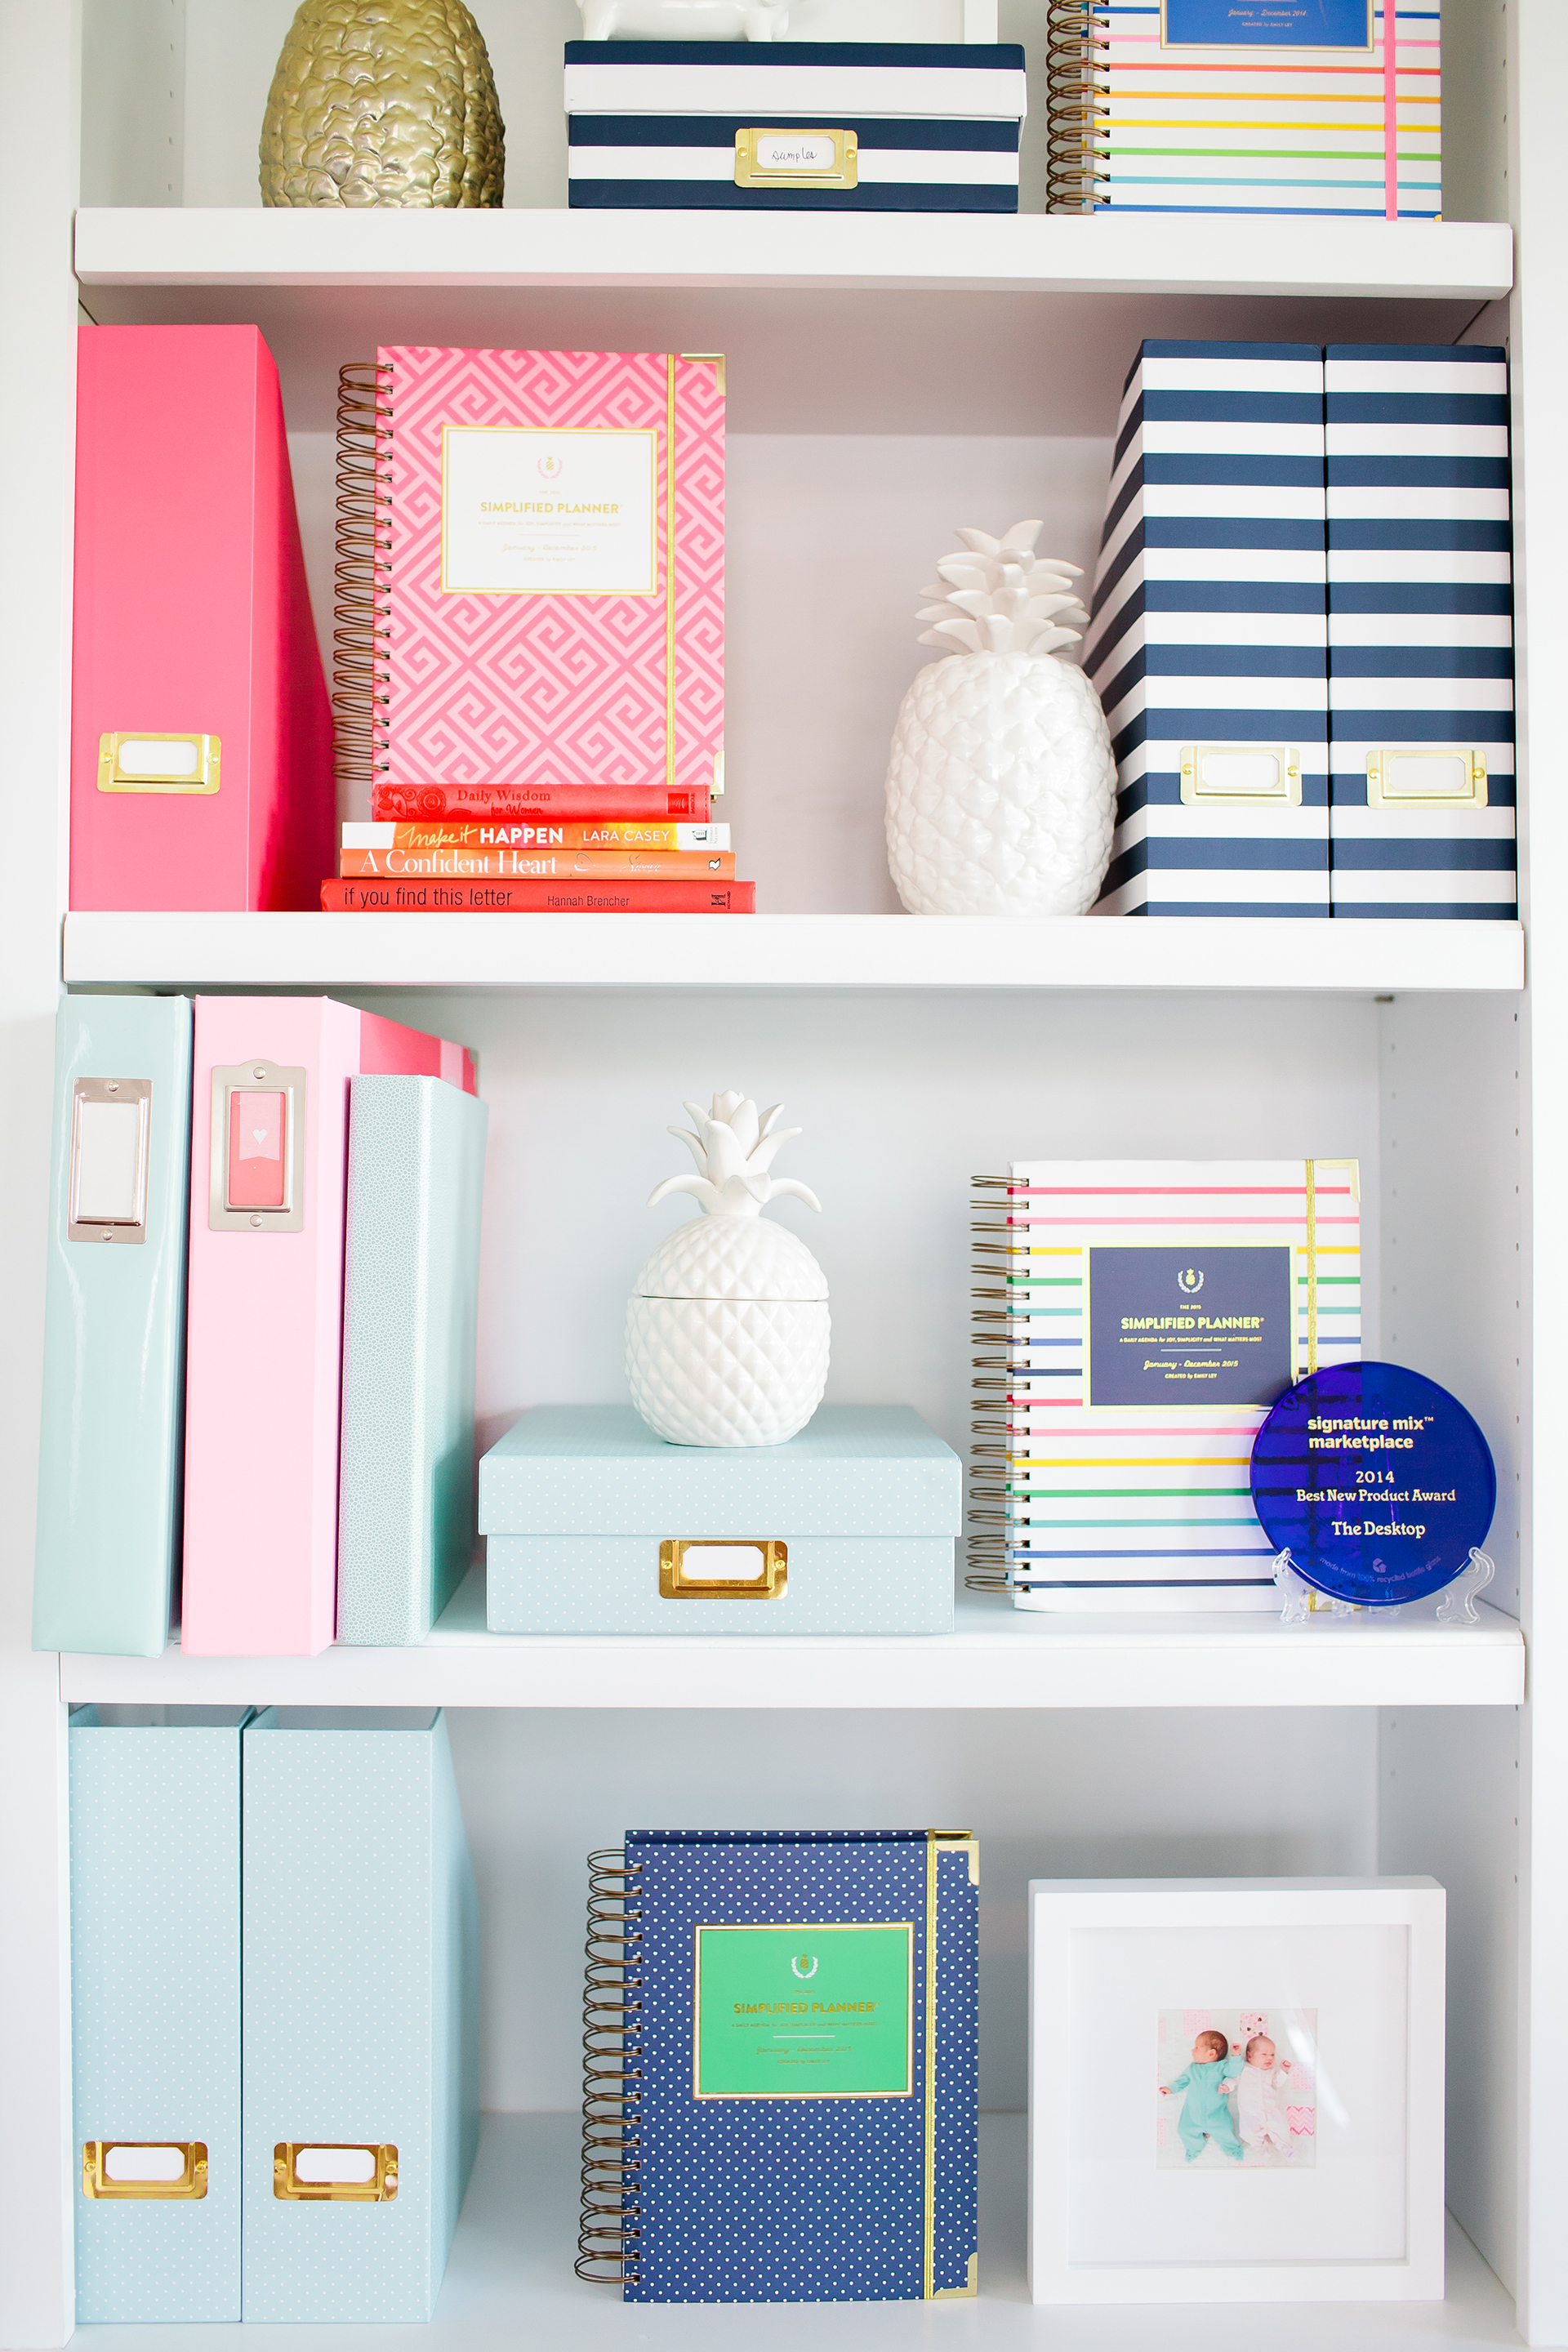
(594, 865)
(529, 643)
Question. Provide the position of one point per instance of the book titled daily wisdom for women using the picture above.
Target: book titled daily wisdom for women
(1136, 1320)
(536, 544)
(782, 2076)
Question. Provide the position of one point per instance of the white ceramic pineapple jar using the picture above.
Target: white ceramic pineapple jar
(1001, 786)
(727, 1328)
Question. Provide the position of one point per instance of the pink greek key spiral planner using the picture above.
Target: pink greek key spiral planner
(531, 576)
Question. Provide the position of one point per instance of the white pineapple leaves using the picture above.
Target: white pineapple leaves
(1003, 598)
(733, 1149)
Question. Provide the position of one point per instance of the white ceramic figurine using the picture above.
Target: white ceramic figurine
(684, 20)
(1001, 786)
(727, 1330)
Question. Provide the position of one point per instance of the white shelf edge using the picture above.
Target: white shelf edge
(498, 952)
(510, 2281)
(997, 1657)
(1026, 253)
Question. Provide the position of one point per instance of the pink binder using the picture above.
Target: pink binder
(269, 1168)
(201, 733)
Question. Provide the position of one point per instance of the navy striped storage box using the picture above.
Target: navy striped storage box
(1207, 642)
(1420, 630)
(796, 126)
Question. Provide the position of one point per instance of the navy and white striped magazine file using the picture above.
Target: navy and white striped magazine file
(782, 2066)
(796, 126)
(1420, 630)
(1206, 638)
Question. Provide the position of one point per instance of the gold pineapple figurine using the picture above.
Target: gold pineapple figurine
(382, 102)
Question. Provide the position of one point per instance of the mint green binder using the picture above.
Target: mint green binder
(411, 1279)
(114, 1327)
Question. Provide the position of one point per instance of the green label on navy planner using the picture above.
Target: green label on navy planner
(1266, 24)
(811, 2011)
(1195, 1326)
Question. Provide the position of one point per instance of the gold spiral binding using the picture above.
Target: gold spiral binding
(607, 2238)
(992, 1389)
(361, 628)
(1076, 84)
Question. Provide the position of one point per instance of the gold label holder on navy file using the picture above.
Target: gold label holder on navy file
(366, 2170)
(111, 1139)
(678, 1582)
(144, 2169)
(1425, 776)
(773, 158)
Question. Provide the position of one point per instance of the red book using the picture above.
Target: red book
(539, 897)
(500, 803)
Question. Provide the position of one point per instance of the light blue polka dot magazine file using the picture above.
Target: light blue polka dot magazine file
(361, 2035)
(156, 1993)
(411, 1286)
(114, 1327)
(782, 2083)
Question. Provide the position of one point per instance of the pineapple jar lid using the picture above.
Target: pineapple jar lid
(732, 1258)
(729, 1252)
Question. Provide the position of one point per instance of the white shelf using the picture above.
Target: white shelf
(997, 1657)
(1025, 252)
(883, 322)
(509, 2281)
(499, 952)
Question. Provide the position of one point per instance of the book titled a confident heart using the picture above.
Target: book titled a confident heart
(550, 527)
(537, 896)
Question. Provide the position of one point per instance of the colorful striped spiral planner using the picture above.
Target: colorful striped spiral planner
(1241, 106)
(1135, 1320)
(1420, 630)
(1206, 640)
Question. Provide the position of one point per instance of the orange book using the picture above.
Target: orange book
(538, 864)
(391, 897)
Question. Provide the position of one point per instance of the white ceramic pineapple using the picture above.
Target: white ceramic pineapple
(727, 1328)
(1001, 786)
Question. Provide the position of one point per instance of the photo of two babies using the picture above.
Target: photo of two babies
(1236, 2089)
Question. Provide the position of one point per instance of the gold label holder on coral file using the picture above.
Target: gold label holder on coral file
(134, 759)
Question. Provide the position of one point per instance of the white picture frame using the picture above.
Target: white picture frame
(1111, 2219)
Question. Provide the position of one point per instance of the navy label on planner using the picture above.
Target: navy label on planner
(1205, 1325)
(1266, 24)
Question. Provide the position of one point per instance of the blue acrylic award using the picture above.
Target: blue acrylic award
(1374, 1486)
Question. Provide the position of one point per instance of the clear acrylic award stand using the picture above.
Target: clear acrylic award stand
(1456, 1604)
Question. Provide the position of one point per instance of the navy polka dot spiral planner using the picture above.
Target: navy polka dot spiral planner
(782, 2066)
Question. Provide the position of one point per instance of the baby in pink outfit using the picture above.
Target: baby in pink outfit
(1260, 2088)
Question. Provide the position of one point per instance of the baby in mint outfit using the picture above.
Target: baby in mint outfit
(1206, 2112)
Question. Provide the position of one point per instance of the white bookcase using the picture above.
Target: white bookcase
(889, 378)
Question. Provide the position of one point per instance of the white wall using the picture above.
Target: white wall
(831, 539)
(903, 1099)
(1181, 1794)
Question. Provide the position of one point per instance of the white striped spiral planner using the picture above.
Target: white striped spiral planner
(1135, 1320)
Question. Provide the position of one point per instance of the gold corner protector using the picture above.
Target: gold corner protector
(965, 2293)
(967, 1840)
(715, 359)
